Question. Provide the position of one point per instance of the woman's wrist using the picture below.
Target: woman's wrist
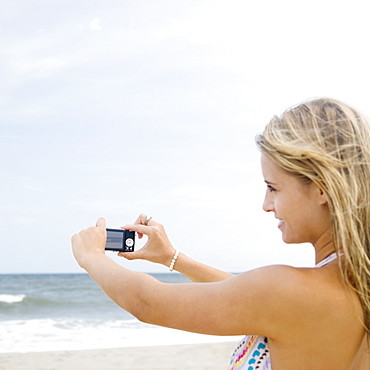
(90, 259)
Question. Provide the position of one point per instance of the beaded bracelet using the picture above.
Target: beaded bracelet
(174, 259)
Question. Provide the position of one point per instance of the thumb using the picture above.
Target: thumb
(101, 223)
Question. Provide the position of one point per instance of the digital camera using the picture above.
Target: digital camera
(120, 240)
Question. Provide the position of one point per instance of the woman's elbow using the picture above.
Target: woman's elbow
(143, 312)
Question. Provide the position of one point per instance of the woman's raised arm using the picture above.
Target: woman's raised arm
(211, 308)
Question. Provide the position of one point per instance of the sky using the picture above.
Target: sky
(118, 108)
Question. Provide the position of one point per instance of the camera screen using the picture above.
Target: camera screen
(115, 238)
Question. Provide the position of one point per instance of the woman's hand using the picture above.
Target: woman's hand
(158, 248)
(89, 242)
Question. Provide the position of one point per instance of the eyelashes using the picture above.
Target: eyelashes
(270, 188)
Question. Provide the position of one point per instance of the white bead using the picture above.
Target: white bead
(174, 259)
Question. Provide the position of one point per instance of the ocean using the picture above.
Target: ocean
(55, 312)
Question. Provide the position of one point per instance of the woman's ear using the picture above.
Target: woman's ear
(318, 194)
(322, 197)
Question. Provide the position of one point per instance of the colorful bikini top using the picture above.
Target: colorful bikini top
(253, 351)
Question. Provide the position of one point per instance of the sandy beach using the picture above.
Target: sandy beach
(188, 356)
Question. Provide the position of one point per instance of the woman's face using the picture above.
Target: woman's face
(301, 209)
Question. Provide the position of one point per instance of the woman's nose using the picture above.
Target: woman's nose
(268, 205)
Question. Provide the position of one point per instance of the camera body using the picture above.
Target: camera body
(120, 240)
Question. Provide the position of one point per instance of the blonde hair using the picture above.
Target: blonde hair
(328, 142)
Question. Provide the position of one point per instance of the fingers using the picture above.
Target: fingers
(157, 248)
(140, 229)
(131, 255)
(145, 219)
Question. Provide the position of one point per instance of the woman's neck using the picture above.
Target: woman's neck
(324, 246)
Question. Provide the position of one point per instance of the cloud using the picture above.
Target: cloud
(25, 221)
(102, 206)
(33, 188)
(94, 25)
(44, 65)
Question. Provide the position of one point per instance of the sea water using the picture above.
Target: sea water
(54, 312)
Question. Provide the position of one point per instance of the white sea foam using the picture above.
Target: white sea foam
(12, 298)
(38, 335)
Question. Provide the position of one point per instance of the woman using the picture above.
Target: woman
(316, 165)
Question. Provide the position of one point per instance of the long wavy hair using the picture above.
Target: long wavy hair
(327, 142)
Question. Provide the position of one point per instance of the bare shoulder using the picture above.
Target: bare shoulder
(286, 296)
(280, 280)
(310, 307)
(295, 283)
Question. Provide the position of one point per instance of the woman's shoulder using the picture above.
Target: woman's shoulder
(284, 279)
(294, 294)
(295, 280)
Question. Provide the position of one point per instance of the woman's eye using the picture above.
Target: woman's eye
(270, 188)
